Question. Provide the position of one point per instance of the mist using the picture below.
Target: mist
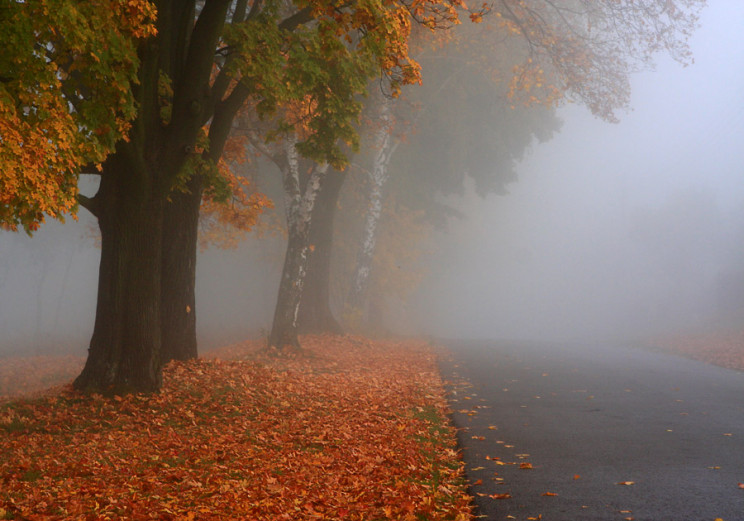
(612, 231)
(615, 232)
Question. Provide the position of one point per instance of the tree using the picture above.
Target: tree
(328, 117)
(523, 54)
(315, 313)
(149, 107)
(96, 87)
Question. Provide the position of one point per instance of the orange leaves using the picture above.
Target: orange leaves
(348, 433)
(44, 142)
(741, 485)
(626, 483)
(225, 223)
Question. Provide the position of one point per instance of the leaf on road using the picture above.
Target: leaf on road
(500, 496)
(525, 465)
(627, 483)
(549, 494)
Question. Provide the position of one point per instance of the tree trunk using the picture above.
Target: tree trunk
(315, 307)
(148, 246)
(299, 202)
(384, 149)
(178, 289)
(125, 350)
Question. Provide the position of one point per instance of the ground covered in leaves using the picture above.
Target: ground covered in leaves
(350, 429)
(724, 348)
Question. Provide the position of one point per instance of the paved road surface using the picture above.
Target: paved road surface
(587, 419)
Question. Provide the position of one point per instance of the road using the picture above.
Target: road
(614, 433)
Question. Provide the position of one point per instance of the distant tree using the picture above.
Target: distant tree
(523, 54)
(318, 129)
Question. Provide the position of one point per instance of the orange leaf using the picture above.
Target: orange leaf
(549, 494)
(627, 483)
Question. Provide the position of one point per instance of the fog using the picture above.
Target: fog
(619, 231)
(612, 231)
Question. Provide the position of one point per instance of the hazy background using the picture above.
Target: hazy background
(613, 231)
(624, 229)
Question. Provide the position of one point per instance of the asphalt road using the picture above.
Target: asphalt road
(614, 433)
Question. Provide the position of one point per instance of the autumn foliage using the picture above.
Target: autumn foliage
(350, 430)
(67, 110)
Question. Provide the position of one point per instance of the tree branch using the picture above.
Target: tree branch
(92, 204)
(301, 17)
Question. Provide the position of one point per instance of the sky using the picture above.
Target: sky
(612, 229)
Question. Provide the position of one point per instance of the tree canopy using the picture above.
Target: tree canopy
(67, 80)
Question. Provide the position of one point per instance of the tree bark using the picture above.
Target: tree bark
(315, 306)
(125, 350)
(384, 149)
(178, 289)
(299, 202)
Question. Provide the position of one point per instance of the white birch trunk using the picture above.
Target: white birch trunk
(385, 146)
(299, 204)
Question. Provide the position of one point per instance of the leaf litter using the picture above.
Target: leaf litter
(350, 429)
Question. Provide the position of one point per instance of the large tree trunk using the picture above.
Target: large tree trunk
(148, 256)
(315, 307)
(125, 350)
(299, 202)
(178, 289)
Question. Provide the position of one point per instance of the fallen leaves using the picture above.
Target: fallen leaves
(352, 432)
(27, 375)
(723, 348)
(626, 483)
